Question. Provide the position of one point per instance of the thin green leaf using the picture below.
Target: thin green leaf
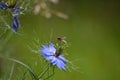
(26, 66)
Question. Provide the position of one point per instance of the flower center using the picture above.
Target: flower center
(57, 54)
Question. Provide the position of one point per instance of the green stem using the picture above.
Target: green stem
(51, 74)
(44, 71)
(24, 65)
(11, 73)
(7, 38)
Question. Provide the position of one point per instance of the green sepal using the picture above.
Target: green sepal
(12, 3)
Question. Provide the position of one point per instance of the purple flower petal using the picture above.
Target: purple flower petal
(3, 6)
(49, 53)
(52, 49)
(54, 61)
(60, 64)
(16, 24)
(17, 11)
(48, 50)
(62, 58)
(49, 58)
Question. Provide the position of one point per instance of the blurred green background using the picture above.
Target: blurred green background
(92, 30)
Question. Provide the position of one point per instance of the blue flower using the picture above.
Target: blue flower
(16, 13)
(3, 6)
(50, 54)
(16, 22)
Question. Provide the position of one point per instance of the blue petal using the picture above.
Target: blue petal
(45, 51)
(3, 6)
(15, 24)
(61, 65)
(52, 49)
(48, 50)
(61, 57)
(17, 11)
(54, 60)
(49, 58)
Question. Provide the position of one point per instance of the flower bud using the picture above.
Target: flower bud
(11, 3)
